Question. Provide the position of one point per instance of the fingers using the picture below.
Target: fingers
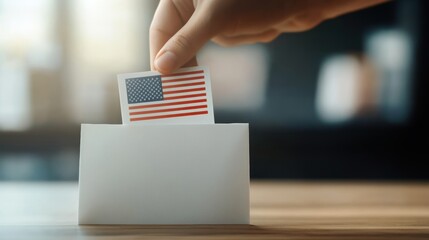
(266, 36)
(183, 46)
(191, 63)
(166, 22)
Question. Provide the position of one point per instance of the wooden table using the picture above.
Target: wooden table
(279, 210)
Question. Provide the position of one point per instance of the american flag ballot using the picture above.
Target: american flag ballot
(153, 98)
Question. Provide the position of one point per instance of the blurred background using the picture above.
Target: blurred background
(346, 100)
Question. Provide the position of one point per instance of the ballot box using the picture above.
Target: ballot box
(164, 174)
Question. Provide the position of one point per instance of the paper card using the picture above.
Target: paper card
(164, 174)
(183, 97)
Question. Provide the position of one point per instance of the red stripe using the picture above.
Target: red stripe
(185, 96)
(169, 116)
(183, 85)
(167, 104)
(182, 73)
(182, 79)
(168, 110)
(186, 90)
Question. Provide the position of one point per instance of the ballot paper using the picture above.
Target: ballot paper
(182, 97)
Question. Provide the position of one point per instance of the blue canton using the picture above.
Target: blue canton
(144, 89)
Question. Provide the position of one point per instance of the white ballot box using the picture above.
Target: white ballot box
(164, 174)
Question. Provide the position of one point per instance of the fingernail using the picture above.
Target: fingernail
(167, 62)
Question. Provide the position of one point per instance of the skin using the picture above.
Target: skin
(181, 27)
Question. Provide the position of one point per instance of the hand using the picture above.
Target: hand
(181, 27)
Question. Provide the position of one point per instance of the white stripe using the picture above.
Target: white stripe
(168, 113)
(183, 94)
(166, 101)
(183, 76)
(171, 85)
(166, 107)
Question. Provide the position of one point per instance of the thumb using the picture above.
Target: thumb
(183, 46)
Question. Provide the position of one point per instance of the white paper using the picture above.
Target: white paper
(178, 98)
(164, 174)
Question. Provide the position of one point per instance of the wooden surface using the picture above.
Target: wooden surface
(279, 210)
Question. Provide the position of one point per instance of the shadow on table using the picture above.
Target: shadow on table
(247, 231)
